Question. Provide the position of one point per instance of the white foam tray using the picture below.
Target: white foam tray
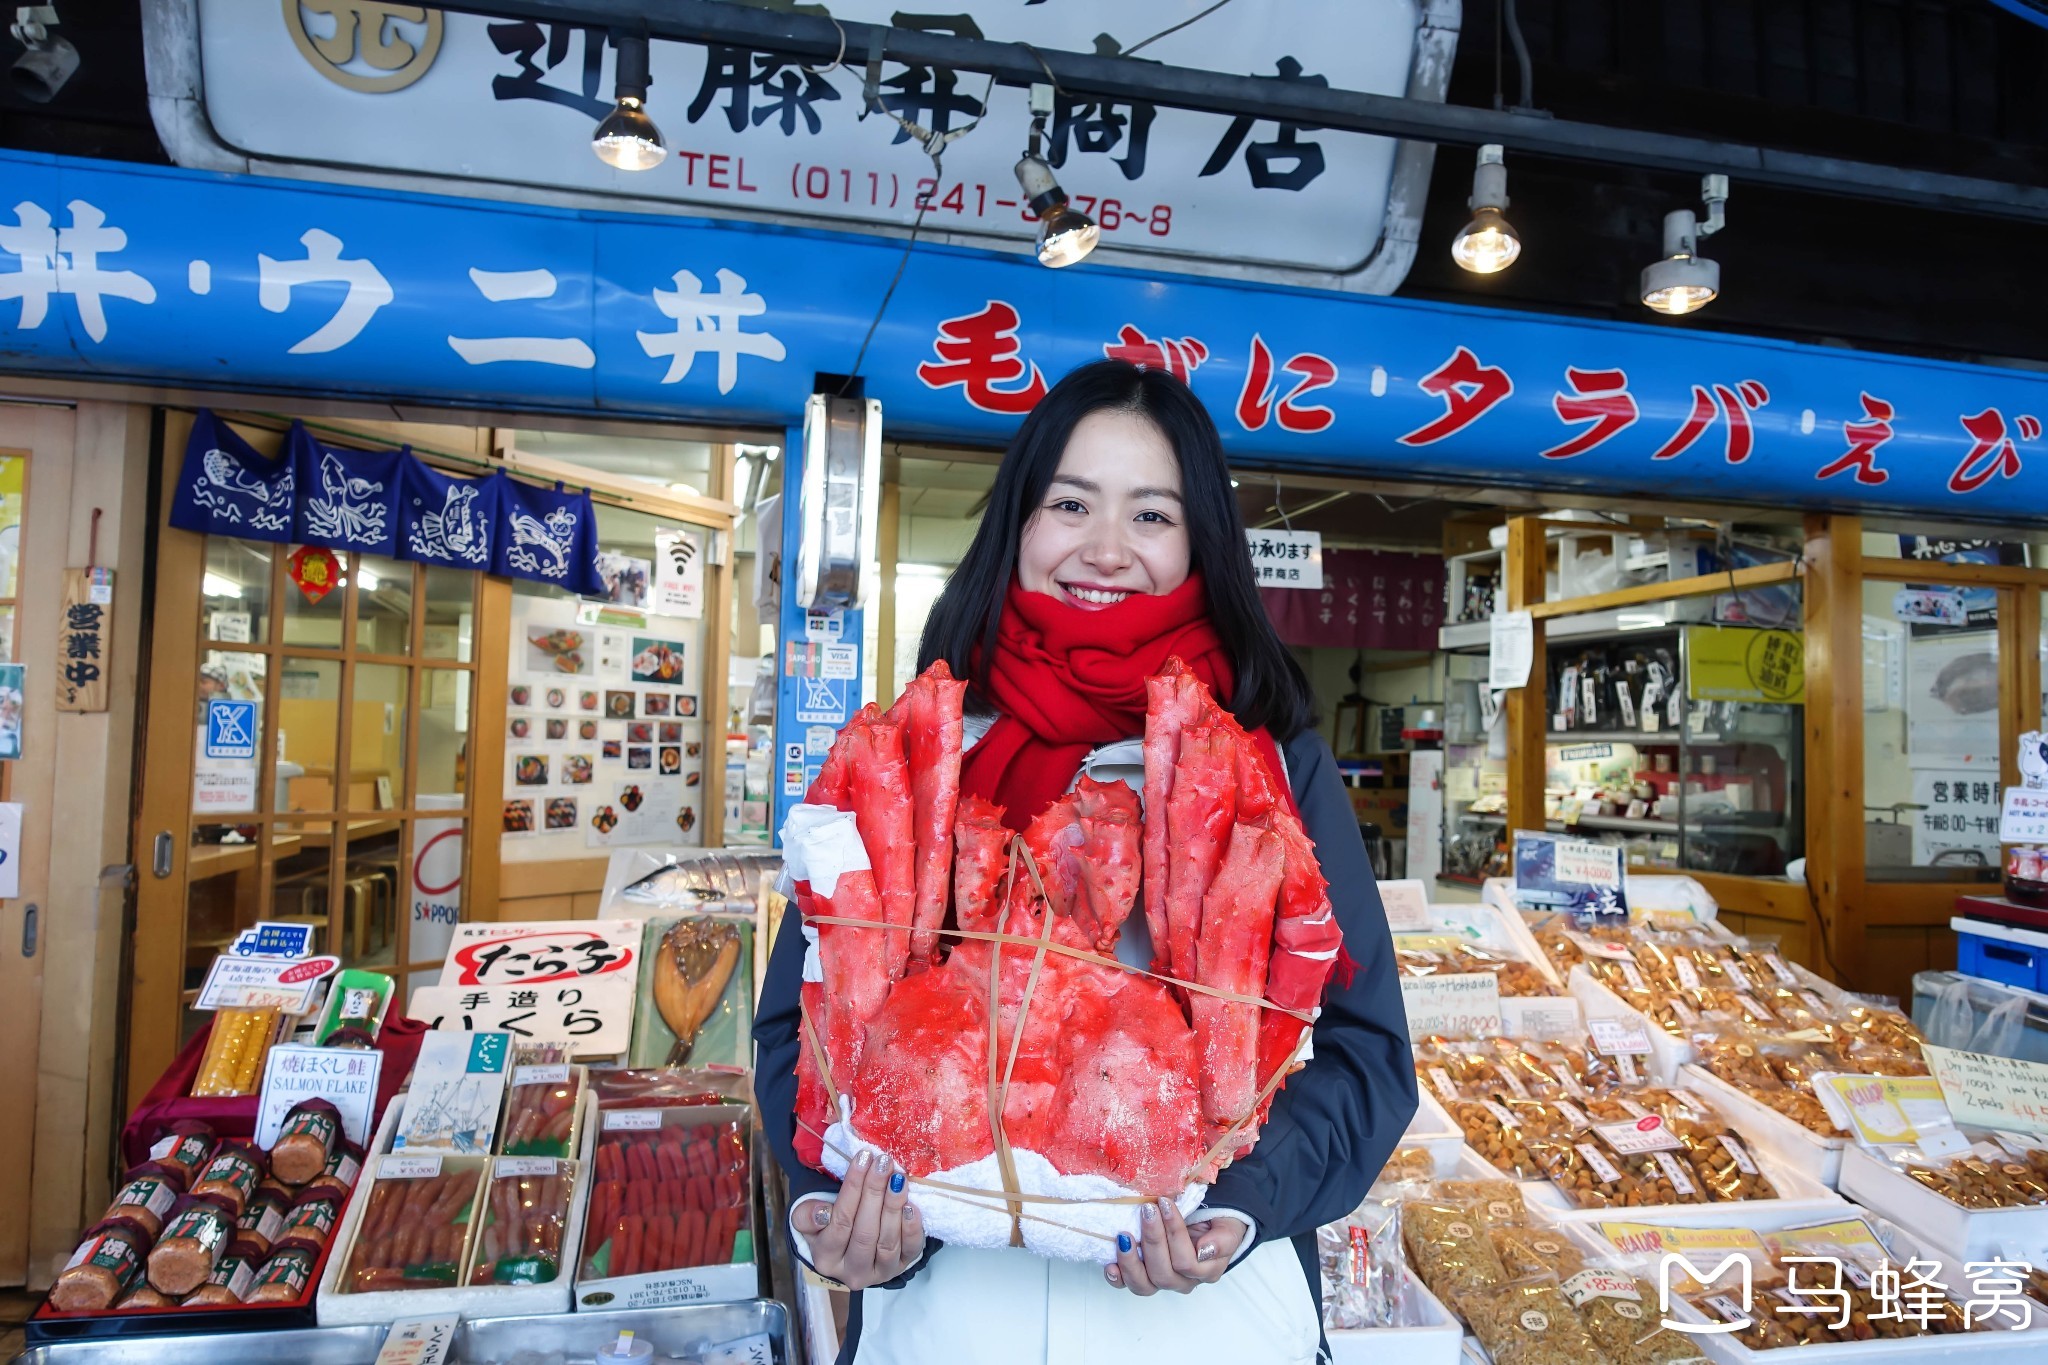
(1806, 1201)
(1790, 1144)
(2027, 1345)
(1951, 1229)
(1435, 1342)
(1435, 1131)
(334, 1308)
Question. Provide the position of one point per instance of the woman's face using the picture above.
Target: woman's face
(1112, 522)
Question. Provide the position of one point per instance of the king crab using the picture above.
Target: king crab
(1116, 1082)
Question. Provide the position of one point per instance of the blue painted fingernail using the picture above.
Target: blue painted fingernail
(896, 1183)
(1123, 1241)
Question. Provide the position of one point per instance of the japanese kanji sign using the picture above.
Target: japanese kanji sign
(85, 646)
(2025, 817)
(111, 271)
(758, 132)
(1368, 599)
(1731, 664)
(346, 1077)
(534, 953)
(1992, 1092)
(1286, 559)
(594, 1016)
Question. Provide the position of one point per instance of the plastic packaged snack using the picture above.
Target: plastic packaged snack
(231, 1177)
(339, 1176)
(1448, 1246)
(183, 1149)
(1622, 1316)
(1595, 1174)
(1364, 1278)
(230, 1283)
(143, 1299)
(1528, 1322)
(285, 1278)
(103, 1268)
(667, 1086)
(1409, 1164)
(311, 1132)
(193, 1243)
(257, 1229)
(309, 1225)
(412, 1233)
(233, 1061)
(540, 1110)
(666, 1198)
(1499, 1202)
(1526, 1251)
(1497, 1136)
(1984, 1177)
(144, 1200)
(526, 1210)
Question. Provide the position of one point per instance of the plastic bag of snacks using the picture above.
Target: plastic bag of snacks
(233, 1062)
(1526, 1251)
(1820, 1305)
(1448, 1246)
(1622, 1315)
(1498, 1202)
(1986, 1176)
(1527, 1322)
(1497, 1135)
(1365, 1282)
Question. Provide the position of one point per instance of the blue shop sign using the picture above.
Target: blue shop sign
(135, 272)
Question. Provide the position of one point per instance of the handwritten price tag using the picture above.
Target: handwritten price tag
(409, 1168)
(1992, 1092)
(632, 1120)
(1407, 906)
(1618, 1037)
(1461, 1005)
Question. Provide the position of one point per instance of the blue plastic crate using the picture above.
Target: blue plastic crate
(1996, 959)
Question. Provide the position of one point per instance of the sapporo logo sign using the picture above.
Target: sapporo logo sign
(367, 45)
(1673, 1261)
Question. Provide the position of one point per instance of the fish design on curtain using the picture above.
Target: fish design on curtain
(385, 503)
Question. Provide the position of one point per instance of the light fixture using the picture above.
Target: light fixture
(218, 585)
(1065, 234)
(1685, 281)
(1488, 244)
(41, 71)
(366, 581)
(628, 139)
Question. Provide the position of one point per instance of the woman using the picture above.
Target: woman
(1111, 542)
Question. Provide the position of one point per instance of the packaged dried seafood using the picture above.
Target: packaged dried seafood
(1448, 1246)
(1528, 1322)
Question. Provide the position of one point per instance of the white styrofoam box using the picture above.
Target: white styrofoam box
(684, 1284)
(1667, 1054)
(1434, 1130)
(2026, 1345)
(334, 1306)
(1434, 1341)
(1800, 1197)
(1791, 1144)
(1949, 1228)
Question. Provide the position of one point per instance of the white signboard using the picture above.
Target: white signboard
(1286, 559)
(2025, 817)
(10, 849)
(1957, 822)
(678, 573)
(515, 102)
(1407, 906)
(1459, 1005)
(593, 1016)
(436, 879)
(258, 982)
(345, 1077)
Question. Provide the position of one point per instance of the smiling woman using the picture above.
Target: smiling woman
(1113, 521)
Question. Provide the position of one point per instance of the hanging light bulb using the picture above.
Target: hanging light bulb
(1685, 281)
(1488, 244)
(1065, 234)
(627, 139)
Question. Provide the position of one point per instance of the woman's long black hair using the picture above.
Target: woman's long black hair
(1270, 690)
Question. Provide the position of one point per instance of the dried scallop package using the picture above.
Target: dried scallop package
(1448, 1246)
(1364, 1279)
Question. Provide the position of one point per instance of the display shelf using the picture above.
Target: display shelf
(1619, 737)
(1643, 824)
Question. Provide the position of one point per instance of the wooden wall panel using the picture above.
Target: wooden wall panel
(1527, 715)
(1892, 954)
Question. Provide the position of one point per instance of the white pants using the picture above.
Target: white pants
(1011, 1307)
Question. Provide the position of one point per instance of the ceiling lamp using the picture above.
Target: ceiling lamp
(47, 60)
(1488, 244)
(628, 139)
(1685, 281)
(1065, 234)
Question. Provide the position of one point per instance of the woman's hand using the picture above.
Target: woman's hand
(1171, 1254)
(870, 1233)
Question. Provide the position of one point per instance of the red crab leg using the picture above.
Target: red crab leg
(1108, 863)
(981, 855)
(929, 711)
(1172, 702)
(1199, 813)
(878, 776)
(1236, 938)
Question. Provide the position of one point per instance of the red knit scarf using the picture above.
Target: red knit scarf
(1064, 680)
